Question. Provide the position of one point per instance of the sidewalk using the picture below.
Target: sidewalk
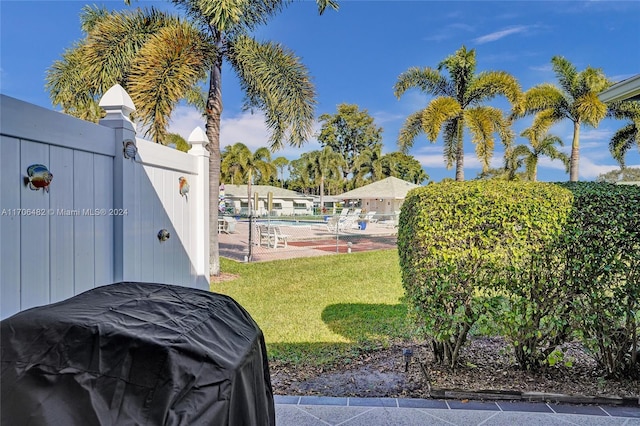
(322, 411)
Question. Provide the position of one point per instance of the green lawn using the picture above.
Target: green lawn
(317, 309)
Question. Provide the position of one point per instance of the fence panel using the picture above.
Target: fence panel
(98, 222)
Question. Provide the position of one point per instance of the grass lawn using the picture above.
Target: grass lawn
(321, 308)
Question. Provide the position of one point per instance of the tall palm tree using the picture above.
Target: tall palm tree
(576, 99)
(458, 103)
(281, 163)
(541, 143)
(324, 164)
(272, 77)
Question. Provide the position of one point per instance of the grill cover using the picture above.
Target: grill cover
(135, 354)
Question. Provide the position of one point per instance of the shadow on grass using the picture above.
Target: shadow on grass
(363, 322)
(366, 326)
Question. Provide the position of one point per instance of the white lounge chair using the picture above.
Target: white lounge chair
(370, 217)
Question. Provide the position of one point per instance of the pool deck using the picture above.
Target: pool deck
(307, 241)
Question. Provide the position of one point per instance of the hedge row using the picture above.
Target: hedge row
(544, 262)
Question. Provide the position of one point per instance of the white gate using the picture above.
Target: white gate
(101, 218)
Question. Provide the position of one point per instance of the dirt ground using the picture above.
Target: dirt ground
(485, 365)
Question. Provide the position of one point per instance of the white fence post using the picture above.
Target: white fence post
(118, 106)
(198, 140)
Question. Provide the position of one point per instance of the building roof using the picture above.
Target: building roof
(626, 90)
(240, 191)
(389, 188)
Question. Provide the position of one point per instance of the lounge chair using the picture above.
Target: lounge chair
(370, 217)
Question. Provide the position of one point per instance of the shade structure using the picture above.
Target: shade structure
(388, 188)
(135, 353)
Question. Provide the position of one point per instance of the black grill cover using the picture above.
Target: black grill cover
(135, 354)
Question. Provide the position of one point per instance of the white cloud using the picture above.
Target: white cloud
(250, 129)
(590, 170)
(497, 35)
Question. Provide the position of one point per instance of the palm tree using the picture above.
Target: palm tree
(458, 103)
(324, 164)
(575, 99)
(281, 163)
(629, 135)
(369, 163)
(162, 65)
(541, 143)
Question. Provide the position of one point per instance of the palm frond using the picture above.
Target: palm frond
(428, 80)
(483, 123)
(623, 140)
(169, 65)
(410, 130)
(488, 85)
(589, 108)
(439, 111)
(546, 96)
(114, 42)
(566, 73)
(451, 136)
(276, 82)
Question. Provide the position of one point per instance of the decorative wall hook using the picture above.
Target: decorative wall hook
(163, 235)
(38, 176)
(129, 149)
(183, 187)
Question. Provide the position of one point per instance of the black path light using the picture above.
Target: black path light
(407, 354)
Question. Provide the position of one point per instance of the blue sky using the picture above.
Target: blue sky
(356, 54)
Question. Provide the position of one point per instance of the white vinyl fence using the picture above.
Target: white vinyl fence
(106, 205)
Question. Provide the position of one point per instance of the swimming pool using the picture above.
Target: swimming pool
(289, 222)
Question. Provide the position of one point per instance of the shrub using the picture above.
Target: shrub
(536, 313)
(458, 241)
(602, 239)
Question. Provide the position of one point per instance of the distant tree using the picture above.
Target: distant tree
(281, 163)
(576, 99)
(240, 165)
(458, 103)
(349, 132)
(323, 165)
(540, 143)
(299, 175)
(627, 174)
(368, 166)
(178, 141)
(403, 166)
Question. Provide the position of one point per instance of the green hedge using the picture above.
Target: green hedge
(543, 261)
(602, 243)
(458, 241)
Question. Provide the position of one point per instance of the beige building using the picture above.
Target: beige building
(383, 196)
(283, 203)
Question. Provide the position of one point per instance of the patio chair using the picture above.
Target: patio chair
(229, 226)
(277, 237)
(261, 234)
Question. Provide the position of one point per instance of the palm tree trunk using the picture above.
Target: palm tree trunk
(460, 153)
(321, 193)
(575, 152)
(214, 113)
